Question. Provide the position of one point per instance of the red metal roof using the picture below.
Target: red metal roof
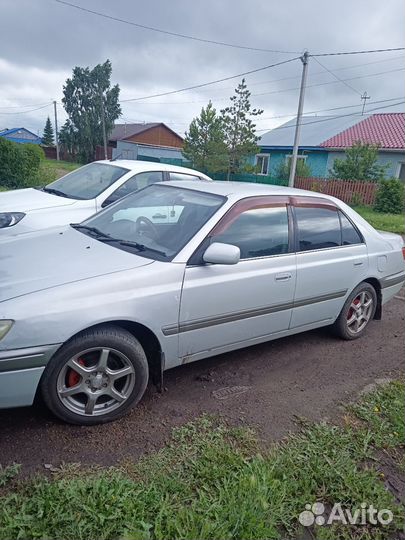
(385, 129)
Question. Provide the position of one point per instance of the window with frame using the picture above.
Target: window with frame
(262, 164)
(318, 227)
(182, 176)
(137, 182)
(401, 172)
(288, 158)
(350, 235)
(261, 231)
(321, 227)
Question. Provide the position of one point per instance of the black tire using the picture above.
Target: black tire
(341, 326)
(120, 344)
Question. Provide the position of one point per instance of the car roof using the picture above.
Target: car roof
(240, 190)
(146, 166)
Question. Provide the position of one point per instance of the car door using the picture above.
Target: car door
(230, 306)
(331, 260)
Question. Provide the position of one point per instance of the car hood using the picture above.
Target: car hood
(25, 200)
(47, 259)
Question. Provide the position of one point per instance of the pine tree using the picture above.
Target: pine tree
(48, 136)
(204, 143)
(240, 134)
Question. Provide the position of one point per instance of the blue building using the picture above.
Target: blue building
(20, 135)
(325, 138)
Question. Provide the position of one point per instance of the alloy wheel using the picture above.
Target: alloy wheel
(96, 381)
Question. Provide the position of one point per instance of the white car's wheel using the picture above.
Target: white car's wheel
(358, 311)
(96, 377)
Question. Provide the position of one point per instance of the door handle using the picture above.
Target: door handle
(283, 277)
(358, 263)
(159, 216)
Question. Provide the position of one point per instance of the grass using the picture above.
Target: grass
(49, 170)
(384, 222)
(212, 481)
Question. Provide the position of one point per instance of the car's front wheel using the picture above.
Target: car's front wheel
(96, 376)
(358, 311)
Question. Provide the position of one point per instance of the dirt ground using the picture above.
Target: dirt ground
(268, 386)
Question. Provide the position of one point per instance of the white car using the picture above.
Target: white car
(83, 192)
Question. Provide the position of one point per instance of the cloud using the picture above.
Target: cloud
(43, 41)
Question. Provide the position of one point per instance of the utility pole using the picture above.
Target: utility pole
(103, 125)
(304, 60)
(364, 97)
(56, 130)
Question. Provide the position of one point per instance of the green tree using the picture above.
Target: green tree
(204, 144)
(88, 96)
(48, 136)
(360, 163)
(240, 134)
(68, 139)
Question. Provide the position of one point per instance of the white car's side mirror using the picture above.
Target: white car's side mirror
(218, 253)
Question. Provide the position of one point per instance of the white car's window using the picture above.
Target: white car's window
(182, 176)
(136, 182)
(156, 222)
(258, 232)
(350, 234)
(318, 227)
(87, 182)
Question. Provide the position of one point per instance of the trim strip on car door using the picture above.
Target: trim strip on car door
(394, 279)
(205, 322)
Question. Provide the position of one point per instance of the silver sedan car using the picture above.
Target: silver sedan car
(90, 312)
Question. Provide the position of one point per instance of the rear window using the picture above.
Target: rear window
(318, 228)
(350, 234)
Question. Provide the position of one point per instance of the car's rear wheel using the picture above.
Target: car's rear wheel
(358, 311)
(96, 377)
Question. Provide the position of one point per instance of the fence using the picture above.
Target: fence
(348, 191)
(245, 177)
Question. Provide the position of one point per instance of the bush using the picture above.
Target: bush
(19, 164)
(390, 197)
(302, 169)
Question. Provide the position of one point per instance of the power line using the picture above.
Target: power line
(265, 93)
(337, 78)
(26, 112)
(170, 33)
(24, 106)
(210, 82)
(317, 72)
(369, 51)
(329, 118)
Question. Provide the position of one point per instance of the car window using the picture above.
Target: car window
(258, 232)
(156, 222)
(318, 227)
(350, 234)
(182, 176)
(87, 182)
(136, 182)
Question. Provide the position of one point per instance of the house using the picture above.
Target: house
(325, 138)
(153, 133)
(20, 135)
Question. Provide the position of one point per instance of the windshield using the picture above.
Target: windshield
(87, 182)
(156, 222)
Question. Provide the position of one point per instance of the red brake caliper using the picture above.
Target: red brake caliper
(74, 377)
(356, 302)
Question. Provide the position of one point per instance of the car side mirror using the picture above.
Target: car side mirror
(218, 253)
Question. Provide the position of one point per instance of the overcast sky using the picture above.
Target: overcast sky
(43, 40)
